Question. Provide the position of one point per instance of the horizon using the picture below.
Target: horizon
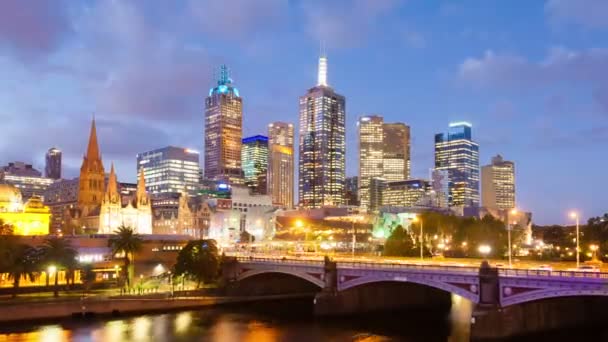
(533, 92)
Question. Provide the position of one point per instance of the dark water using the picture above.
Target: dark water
(261, 322)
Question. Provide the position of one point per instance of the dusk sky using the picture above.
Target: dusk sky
(531, 76)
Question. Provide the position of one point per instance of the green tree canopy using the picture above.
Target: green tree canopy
(126, 241)
(58, 252)
(199, 260)
(18, 260)
(399, 243)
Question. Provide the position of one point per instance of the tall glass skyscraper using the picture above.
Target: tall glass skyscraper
(223, 131)
(458, 154)
(255, 163)
(170, 170)
(52, 168)
(322, 144)
(396, 152)
(281, 163)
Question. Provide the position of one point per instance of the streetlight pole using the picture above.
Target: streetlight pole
(509, 228)
(575, 216)
(421, 242)
(354, 240)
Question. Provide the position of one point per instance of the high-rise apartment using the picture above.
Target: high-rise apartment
(52, 168)
(498, 184)
(254, 158)
(396, 151)
(223, 131)
(458, 154)
(322, 144)
(281, 163)
(170, 170)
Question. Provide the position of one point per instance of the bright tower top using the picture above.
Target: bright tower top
(224, 83)
(322, 72)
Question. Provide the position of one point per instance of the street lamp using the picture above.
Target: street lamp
(574, 215)
(509, 228)
(484, 249)
(419, 219)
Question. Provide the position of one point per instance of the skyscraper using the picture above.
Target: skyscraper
(371, 149)
(384, 152)
(281, 163)
(254, 157)
(92, 175)
(457, 153)
(170, 170)
(52, 168)
(498, 184)
(396, 151)
(322, 144)
(223, 131)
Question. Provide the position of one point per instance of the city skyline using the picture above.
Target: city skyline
(477, 81)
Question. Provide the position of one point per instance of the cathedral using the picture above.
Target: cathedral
(100, 205)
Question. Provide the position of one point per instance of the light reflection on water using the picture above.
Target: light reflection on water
(224, 325)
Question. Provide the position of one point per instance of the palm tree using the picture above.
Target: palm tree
(18, 260)
(58, 253)
(127, 242)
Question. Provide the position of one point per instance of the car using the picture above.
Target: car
(500, 265)
(585, 268)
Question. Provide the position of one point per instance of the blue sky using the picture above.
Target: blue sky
(531, 76)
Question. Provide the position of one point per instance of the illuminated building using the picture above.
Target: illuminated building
(322, 144)
(223, 131)
(458, 154)
(31, 218)
(384, 152)
(498, 184)
(170, 170)
(351, 190)
(92, 176)
(405, 193)
(281, 164)
(254, 158)
(52, 168)
(396, 151)
(26, 178)
(376, 191)
(60, 197)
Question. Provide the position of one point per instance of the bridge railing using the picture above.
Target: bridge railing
(274, 260)
(403, 266)
(547, 273)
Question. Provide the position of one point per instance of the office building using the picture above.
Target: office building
(322, 144)
(498, 184)
(26, 178)
(384, 152)
(405, 193)
(254, 158)
(376, 191)
(170, 169)
(458, 154)
(281, 164)
(351, 191)
(223, 131)
(61, 197)
(52, 168)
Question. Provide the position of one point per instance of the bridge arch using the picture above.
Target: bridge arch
(542, 294)
(302, 275)
(471, 292)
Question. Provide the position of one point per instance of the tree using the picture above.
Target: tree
(198, 260)
(125, 241)
(18, 260)
(399, 243)
(58, 253)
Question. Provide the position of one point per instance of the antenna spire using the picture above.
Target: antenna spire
(322, 72)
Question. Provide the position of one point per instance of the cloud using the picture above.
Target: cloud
(344, 24)
(33, 31)
(591, 14)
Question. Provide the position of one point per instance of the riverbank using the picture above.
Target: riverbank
(96, 306)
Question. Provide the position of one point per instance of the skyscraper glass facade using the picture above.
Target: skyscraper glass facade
(223, 131)
(255, 163)
(322, 145)
(458, 154)
(281, 163)
(170, 170)
(370, 155)
(396, 152)
(52, 168)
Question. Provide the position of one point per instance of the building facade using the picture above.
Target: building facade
(458, 154)
(371, 147)
(26, 178)
(498, 184)
(405, 193)
(223, 131)
(351, 191)
(322, 148)
(29, 218)
(170, 169)
(254, 157)
(92, 176)
(61, 197)
(396, 162)
(52, 168)
(281, 164)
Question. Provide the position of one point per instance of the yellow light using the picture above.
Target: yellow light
(484, 249)
(574, 214)
(299, 223)
(514, 212)
(52, 269)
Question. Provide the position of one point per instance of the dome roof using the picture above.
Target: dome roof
(9, 194)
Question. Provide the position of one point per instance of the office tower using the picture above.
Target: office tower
(223, 131)
(371, 150)
(376, 189)
(396, 152)
(170, 169)
(254, 157)
(498, 184)
(351, 191)
(405, 193)
(92, 176)
(52, 168)
(281, 163)
(384, 152)
(457, 153)
(25, 178)
(322, 144)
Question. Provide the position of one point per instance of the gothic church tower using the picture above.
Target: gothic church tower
(92, 176)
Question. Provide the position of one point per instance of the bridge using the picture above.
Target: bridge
(528, 300)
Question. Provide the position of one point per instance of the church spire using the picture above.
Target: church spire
(93, 147)
(142, 195)
(112, 189)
